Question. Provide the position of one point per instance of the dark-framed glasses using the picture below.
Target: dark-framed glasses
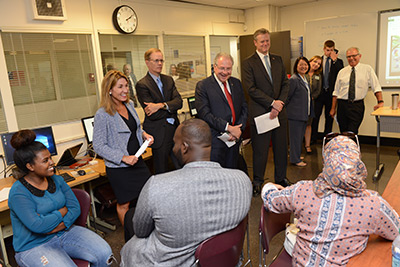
(352, 56)
(350, 135)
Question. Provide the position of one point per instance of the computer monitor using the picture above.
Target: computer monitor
(88, 124)
(192, 108)
(43, 135)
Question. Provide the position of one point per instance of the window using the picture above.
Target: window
(187, 55)
(3, 123)
(118, 50)
(51, 77)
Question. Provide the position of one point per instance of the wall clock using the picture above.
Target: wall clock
(125, 19)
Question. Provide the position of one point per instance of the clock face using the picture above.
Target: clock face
(125, 19)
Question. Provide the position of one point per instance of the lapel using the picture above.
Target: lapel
(121, 125)
(153, 85)
(260, 65)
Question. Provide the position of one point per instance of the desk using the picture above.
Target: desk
(379, 250)
(390, 120)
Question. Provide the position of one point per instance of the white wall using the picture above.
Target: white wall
(155, 17)
(293, 17)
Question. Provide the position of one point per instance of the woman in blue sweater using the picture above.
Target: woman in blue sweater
(43, 209)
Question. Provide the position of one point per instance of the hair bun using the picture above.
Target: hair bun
(22, 139)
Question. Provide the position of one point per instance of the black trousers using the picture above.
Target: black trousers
(161, 154)
(350, 115)
(324, 99)
(260, 144)
(227, 157)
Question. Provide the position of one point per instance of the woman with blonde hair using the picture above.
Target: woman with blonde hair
(314, 78)
(117, 135)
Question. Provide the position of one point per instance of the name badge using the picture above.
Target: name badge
(317, 78)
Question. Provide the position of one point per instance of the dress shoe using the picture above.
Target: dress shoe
(256, 190)
(285, 182)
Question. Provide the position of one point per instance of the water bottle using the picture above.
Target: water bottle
(396, 252)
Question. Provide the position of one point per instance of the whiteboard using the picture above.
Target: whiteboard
(359, 30)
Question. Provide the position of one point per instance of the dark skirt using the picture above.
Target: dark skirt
(128, 182)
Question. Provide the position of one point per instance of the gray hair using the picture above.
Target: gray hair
(223, 55)
(353, 47)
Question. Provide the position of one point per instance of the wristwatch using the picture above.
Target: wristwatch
(380, 101)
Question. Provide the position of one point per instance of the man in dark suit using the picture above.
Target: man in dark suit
(220, 102)
(264, 78)
(160, 101)
(331, 65)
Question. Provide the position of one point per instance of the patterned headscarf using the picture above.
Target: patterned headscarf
(344, 172)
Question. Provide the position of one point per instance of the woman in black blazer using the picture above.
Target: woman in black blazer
(299, 108)
(314, 78)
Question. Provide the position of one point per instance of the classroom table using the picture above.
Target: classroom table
(379, 250)
(388, 120)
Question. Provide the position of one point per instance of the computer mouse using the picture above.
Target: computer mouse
(81, 172)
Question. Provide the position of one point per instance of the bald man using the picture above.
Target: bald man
(178, 210)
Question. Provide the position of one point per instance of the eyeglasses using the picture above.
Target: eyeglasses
(330, 136)
(352, 56)
(157, 60)
(224, 69)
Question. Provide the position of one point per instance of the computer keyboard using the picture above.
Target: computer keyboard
(67, 177)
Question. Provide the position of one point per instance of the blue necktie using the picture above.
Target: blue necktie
(160, 86)
(326, 74)
(268, 66)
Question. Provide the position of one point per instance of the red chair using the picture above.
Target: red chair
(84, 201)
(271, 224)
(223, 250)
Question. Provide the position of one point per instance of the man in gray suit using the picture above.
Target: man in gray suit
(264, 78)
(178, 210)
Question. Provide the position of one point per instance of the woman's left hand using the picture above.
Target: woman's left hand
(147, 136)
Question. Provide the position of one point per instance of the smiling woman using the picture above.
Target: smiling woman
(116, 126)
(43, 209)
(299, 109)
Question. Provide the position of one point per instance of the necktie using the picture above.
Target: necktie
(268, 66)
(326, 74)
(230, 102)
(352, 85)
(160, 86)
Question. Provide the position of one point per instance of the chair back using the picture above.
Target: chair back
(84, 201)
(222, 250)
(271, 224)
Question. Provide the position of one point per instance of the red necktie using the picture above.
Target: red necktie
(230, 102)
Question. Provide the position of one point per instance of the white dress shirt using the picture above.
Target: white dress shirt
(365, 78)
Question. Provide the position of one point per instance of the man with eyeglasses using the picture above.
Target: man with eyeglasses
(351, 88)
(220, 102)
(160, 101)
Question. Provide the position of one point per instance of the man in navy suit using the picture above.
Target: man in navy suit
(265, 79)
(160, 101)
(220, 102)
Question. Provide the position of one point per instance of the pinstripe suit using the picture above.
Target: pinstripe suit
(176, 211)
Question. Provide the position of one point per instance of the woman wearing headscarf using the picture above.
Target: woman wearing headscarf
(335, 212)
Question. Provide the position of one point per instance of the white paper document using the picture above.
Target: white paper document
(4, 193)
(225, 138)
(142, 148)
(265, 124)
